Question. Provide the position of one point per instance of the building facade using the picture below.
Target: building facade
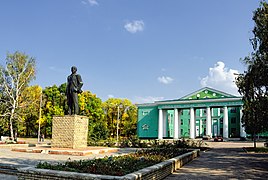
(206, 112)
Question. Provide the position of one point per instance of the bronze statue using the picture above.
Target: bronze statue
(74, 85)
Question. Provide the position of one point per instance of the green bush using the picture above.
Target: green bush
(257, 149)
(118, 165)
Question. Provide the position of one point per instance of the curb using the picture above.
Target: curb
(157, 171)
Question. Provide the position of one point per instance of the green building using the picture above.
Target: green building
(205, 112)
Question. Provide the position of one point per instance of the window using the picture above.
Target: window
(221, 110)
(188, 121)
(233, 120)
(221, 120)
(181, 121)
(233, 110)
(144, 113)
(205, 111)
(182, 132)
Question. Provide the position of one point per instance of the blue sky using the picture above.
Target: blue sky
(136, 49)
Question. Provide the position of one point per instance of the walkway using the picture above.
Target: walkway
(22, 159)
(225, 161)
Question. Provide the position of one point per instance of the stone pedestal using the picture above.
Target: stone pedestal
(69, 131)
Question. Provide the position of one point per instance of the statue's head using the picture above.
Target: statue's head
(74, 69)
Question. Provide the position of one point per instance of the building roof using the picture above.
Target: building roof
(205, 94)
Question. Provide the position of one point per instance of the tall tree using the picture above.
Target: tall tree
(30, 101)
(120, 113)
(53, 101)
(14, 78)
(253, 84)
(91, 106)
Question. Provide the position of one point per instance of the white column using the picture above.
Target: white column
(208, 124)
(195, 131)
(164, 123)
(211, 112)
(176, 124)
(200, 128)
(160, 124)
(179, 127)
(242, 129)
(225, 122)
(192, 123)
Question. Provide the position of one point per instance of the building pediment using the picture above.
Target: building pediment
(207, 93)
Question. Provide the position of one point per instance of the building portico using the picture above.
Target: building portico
(205, 112)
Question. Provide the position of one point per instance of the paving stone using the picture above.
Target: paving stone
(226, 160)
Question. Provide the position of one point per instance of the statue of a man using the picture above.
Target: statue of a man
(74, 85)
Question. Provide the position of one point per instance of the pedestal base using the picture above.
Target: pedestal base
(69, 131)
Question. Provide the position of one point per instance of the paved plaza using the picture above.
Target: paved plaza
(226, 160)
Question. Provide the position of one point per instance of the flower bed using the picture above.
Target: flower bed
(156, 172)
(256, 150)
(119, 165)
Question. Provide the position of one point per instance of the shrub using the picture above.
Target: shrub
(119, 165)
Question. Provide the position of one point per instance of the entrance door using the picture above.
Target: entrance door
(215, 127)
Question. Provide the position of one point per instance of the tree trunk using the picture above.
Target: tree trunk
(254, 138)
(11, 124)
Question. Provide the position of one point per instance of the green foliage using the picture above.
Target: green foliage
(30, 101)
(253, 84)
(14, 79)
(53, 105)
(91, 106)
(257, 149)
(123, 112)
(120, 165)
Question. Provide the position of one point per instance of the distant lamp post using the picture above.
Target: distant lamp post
(118, 119)
(117, 123)
(39, 121)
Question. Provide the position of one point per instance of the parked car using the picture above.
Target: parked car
(218, 139)
(205, 138)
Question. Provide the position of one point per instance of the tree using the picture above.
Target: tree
(127, 123)
(14, 78)
(91, 106)
(253, 84)
(53, 101)
(30, 101)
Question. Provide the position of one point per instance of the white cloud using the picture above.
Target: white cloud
(134, 26)
(90, 2)
(165, 79)
(148, 99)
(221, 78)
